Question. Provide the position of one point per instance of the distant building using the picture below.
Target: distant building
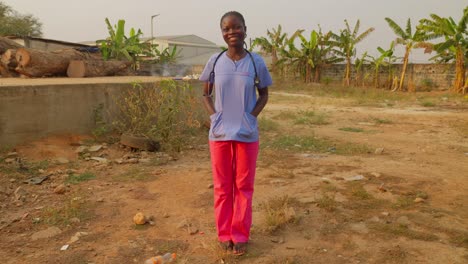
(194, 50)
(46, 44)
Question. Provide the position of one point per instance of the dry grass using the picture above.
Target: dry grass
(278, 212)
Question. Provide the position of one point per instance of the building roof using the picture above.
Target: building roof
(184, 40)
(50, 41)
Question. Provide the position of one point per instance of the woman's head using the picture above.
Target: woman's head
(233, 29)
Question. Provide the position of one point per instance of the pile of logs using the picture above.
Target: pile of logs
(18, 61)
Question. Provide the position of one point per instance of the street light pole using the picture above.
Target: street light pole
(152, 37)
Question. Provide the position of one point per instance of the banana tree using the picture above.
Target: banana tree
(169, 55)
(346, 41)
(358, 67)
(454, 47)
(384, 59)
(118, 46)
(272, 44)
(409, 40)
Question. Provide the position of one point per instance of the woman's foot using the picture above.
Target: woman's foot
(226, 245)
(240, 248)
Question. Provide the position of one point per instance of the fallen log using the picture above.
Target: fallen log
(96, 68)
(6, 43)
(36, 63)
(4, 71)
(9, 59)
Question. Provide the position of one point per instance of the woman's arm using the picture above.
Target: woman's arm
(208, 99)
(261, 101)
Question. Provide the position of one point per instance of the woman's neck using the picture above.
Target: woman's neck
(236, 53)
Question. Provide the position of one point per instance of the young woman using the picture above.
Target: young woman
(236, 75)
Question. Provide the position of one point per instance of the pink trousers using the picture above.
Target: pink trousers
(233, 164)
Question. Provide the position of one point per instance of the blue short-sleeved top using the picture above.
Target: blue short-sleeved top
(235, 96)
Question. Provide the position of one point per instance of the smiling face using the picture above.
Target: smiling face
(233, 30)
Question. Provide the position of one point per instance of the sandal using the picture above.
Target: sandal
(226, 245)
(240, 249)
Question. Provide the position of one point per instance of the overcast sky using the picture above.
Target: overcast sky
(83, 20)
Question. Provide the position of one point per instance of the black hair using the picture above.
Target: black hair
(232, 13)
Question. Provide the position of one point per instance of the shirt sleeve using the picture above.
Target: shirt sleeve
(263, 73)
(205, 76)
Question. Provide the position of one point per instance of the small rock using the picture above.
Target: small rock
(62, 161)
(307, 200)
(133, 161)
(12, 154)
(100, 200)
(64, 247)
(278, 240)
(403, 220)
(76, 237)
(9, 160)
(95, 148)
(20, 194)
(375, 219)
(100, 160)
(12, 180)
(119, 161)
(184, 223)
(210, 186)
(419, 200)
(192, 230)
(376, 174)
(75, 220)
(61, 189)
(81, 149)
(385, 213)
(355, 178)
(379, 151)
(139, 219)
(382, 188)
(47, 233)
(359, 228)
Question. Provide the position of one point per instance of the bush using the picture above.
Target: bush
(165, 113)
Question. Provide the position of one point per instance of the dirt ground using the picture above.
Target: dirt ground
(337, 182)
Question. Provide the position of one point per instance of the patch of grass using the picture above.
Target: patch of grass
(352, 129)
(278, 212)
(352, 149)
(360, 193)
(309, 143)
(403, 202)
(61, 216)
(133, 174)
(268, 125)
(404, 231)
(461, 127)
(314, 144)
(327, 187)
(395, 254)
(310, 118)
(285, 115)
(77, 178)
(283, 173)
(428, 104)
(382, 121)
(327, 202)
(460, 239)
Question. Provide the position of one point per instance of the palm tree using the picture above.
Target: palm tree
(347, 41)
(409, 40)
(272, 44)
(455, 43)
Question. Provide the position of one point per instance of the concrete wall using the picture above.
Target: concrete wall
(31, 112)
(440, 76)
